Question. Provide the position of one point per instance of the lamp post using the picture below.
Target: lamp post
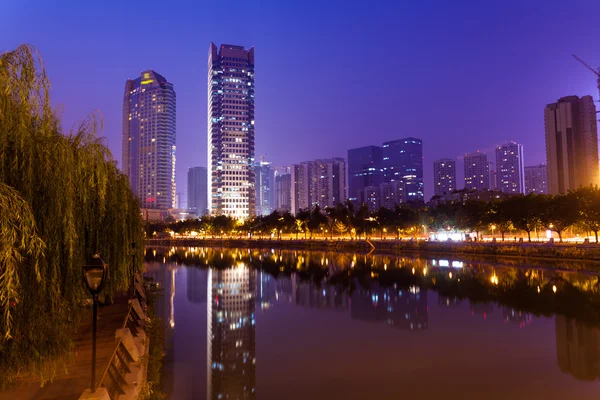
(94, 277)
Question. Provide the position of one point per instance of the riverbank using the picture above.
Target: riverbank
(567, 251)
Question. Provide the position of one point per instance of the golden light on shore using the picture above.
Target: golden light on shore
(554, 288)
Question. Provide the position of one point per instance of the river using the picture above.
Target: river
(275, 324)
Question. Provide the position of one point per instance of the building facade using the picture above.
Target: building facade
(571, 144)
(197, 197)
(444, 176)
(536, 179)
(265, 188)
(148, 139)
(319, 182)
(477, 171)
(283, 192)
(231, 131)
(403, 161)
(510, 170)
(364, 169)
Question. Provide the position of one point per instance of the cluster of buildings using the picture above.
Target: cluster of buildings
(234, 183)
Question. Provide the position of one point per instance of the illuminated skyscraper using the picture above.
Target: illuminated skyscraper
(148, 141)
(321, 182)
(364, 169)
(510, 171)
(231, 336)
(444, 176)
(403, 161)
(265, 188)
(231, 131)
(477, 171)
(571, 144)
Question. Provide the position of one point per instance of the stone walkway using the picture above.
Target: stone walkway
(70, 384)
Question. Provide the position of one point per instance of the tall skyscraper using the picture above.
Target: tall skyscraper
(571, 144)
(148, 142)
(364, 169)
(196, 190)
(283, 192)
(403, 161)
(231, 335)
(536, 179)
(444, 176)
(509, 168)
(390, 194)
(477, 171)
(265, 188)
(231, 131)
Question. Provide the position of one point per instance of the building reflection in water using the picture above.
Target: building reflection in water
(402, 309)
(231, 333)
(449, 302)
(577, 348)
(516, 317)
(481, 309)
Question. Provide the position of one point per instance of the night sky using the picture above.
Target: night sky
(330, 75)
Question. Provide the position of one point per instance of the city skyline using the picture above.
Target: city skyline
(100, 59)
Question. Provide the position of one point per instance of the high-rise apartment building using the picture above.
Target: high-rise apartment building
(231, 131)
(477, 171)
(196, 190)
(372, 197)
(390, 194)
(321, 182)
(444, 176)
(364, 169)
(536, 179)
(283, 192)
(148, 141)
(403, 161)
(492, 169)
(571, 144)
(510, 171)
(265, 188)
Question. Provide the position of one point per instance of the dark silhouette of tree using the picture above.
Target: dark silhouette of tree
(559, 212)
(525, 212)
(589, 208)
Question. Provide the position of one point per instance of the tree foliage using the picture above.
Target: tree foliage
(64, 190)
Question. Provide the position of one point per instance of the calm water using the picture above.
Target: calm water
(311, 325)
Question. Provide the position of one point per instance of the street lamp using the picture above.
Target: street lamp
(94, 277)
(493, 227)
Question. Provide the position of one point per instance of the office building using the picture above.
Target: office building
(196, 190)
(477, 171)
(318, 182)
(403, 161)
(571, 144)
(265, 188)
(283, 192)
(536, 179)
(148, 140)
(444, 176)
(510, 170)
(364, 169)
(231, 131)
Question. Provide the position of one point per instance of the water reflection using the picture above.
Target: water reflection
(381, 291)
(231, 333)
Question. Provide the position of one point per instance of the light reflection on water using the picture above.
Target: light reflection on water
(274, 324)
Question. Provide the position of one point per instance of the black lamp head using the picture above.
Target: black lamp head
(94, 274)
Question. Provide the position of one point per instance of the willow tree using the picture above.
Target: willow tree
(80, 203)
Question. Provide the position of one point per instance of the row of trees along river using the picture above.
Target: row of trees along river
(62, 199)
(579, 209)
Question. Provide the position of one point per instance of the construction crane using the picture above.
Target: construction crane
(595, 72)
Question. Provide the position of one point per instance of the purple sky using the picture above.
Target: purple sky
(461, 75)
